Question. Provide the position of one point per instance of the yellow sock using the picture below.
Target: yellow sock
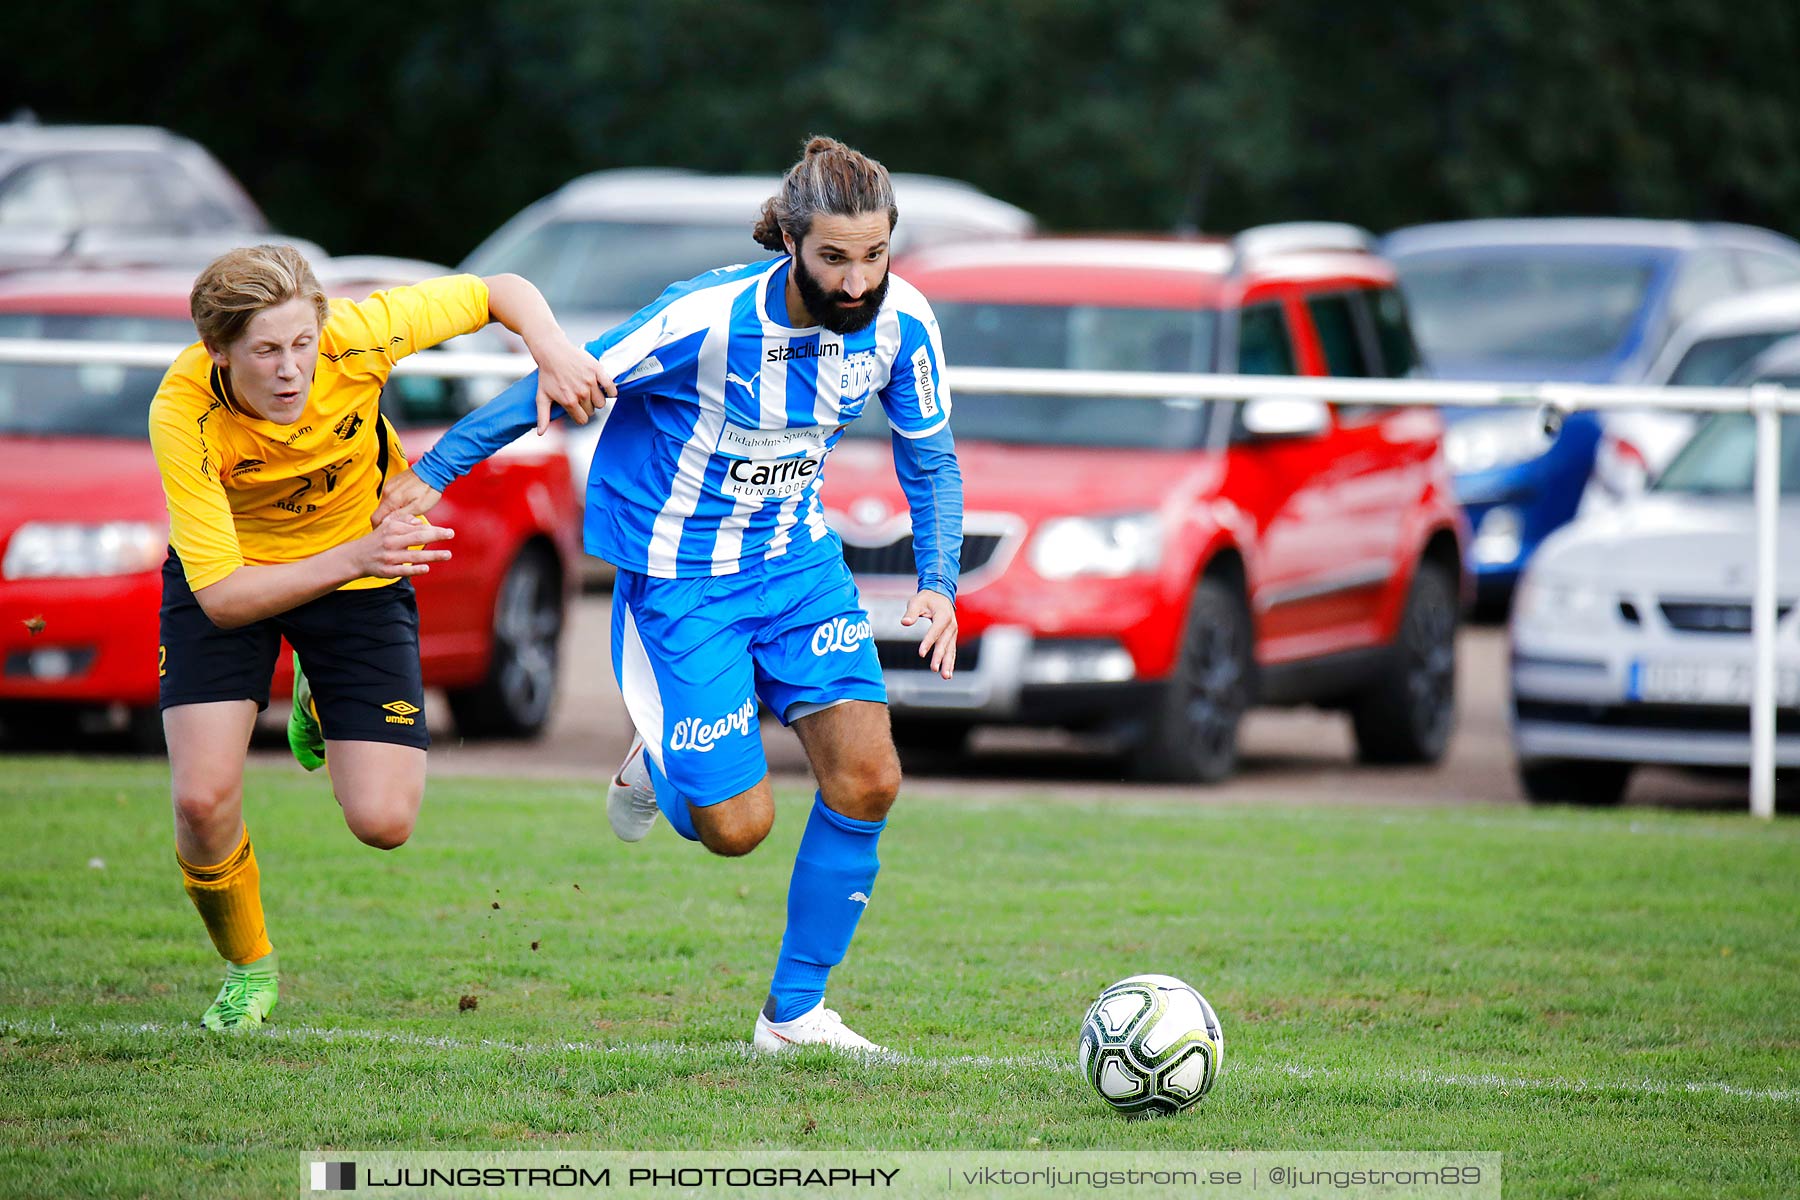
(229, 899)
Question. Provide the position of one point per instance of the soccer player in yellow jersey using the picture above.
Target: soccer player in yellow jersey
(273, 455)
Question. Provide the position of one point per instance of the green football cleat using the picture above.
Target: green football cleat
(247, 997)
(305, 736)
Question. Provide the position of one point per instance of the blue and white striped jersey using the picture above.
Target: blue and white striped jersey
(711, 458)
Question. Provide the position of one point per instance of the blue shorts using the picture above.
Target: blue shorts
(693, 656)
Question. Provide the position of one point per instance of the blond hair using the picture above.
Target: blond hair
(240, 283)
(829, 178)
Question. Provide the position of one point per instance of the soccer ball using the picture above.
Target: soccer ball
(1151, 1043)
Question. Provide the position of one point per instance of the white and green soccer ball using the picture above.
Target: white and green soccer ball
(1151, 1044)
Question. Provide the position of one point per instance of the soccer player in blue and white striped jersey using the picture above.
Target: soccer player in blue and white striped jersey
(704, 492)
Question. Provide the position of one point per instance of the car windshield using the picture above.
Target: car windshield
(1081, 338)
(1529, 304)
(1720, 459)
(587, 266)
(90, 400)
(1714, 361)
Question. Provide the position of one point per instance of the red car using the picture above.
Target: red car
(84, 530)
(1155, 567)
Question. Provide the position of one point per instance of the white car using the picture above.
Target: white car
(1710, 349)
(1631, 630)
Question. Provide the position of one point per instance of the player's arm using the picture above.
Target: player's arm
(917, 404)
(932, 480)
(623, 352)
(475, 436)
(204, 536)
(569, 377)
(398, 547)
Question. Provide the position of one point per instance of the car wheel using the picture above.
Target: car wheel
(1193, 732)
(1560, 781)
(1407, 715)
(514, 699)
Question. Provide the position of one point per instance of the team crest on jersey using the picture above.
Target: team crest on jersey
(858, 375)
(348, 427)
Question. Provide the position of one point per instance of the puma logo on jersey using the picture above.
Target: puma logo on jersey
(861, 898)
(749, 385)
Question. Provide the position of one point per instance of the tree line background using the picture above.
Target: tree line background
(416, 130)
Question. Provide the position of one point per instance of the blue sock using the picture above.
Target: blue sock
(834, 872)
(674, 805)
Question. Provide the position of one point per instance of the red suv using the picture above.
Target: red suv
(1155, 567)
(84, 530)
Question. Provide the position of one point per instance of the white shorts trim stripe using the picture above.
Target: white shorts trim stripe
(643, 699)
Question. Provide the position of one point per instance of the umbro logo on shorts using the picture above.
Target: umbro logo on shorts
(400, 712)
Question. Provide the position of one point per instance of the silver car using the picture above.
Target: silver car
(604, 245)
(1631, 630)
(119, 196)
(1711, 349)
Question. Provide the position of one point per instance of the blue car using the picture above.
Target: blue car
(1569, 300)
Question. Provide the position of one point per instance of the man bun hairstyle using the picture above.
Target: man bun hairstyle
(829, 178)
(240, 283)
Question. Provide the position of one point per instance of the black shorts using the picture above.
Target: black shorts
(359, 648)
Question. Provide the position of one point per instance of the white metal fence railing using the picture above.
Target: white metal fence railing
(1765, 401)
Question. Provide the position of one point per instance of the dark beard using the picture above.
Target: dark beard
(824, 306)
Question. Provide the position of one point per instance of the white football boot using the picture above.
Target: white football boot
(630, 800)
(819, 1026)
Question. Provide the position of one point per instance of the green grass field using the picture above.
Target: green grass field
(1612, 1000)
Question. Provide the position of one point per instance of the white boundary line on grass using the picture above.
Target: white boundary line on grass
(1484, 1082)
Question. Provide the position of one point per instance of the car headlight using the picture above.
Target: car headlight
(1106, 546)
(45, 549)
(1501, 438)
(1498, 536)
(1566, 605)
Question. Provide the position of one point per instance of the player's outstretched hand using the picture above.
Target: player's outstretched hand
(570, 378)
(400, 545)
(406, 494)
(940, 640)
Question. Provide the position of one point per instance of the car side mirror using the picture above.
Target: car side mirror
(1285, 416)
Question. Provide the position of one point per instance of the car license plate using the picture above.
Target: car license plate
(1686, 682)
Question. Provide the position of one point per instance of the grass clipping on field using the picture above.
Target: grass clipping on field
(1596, 995)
